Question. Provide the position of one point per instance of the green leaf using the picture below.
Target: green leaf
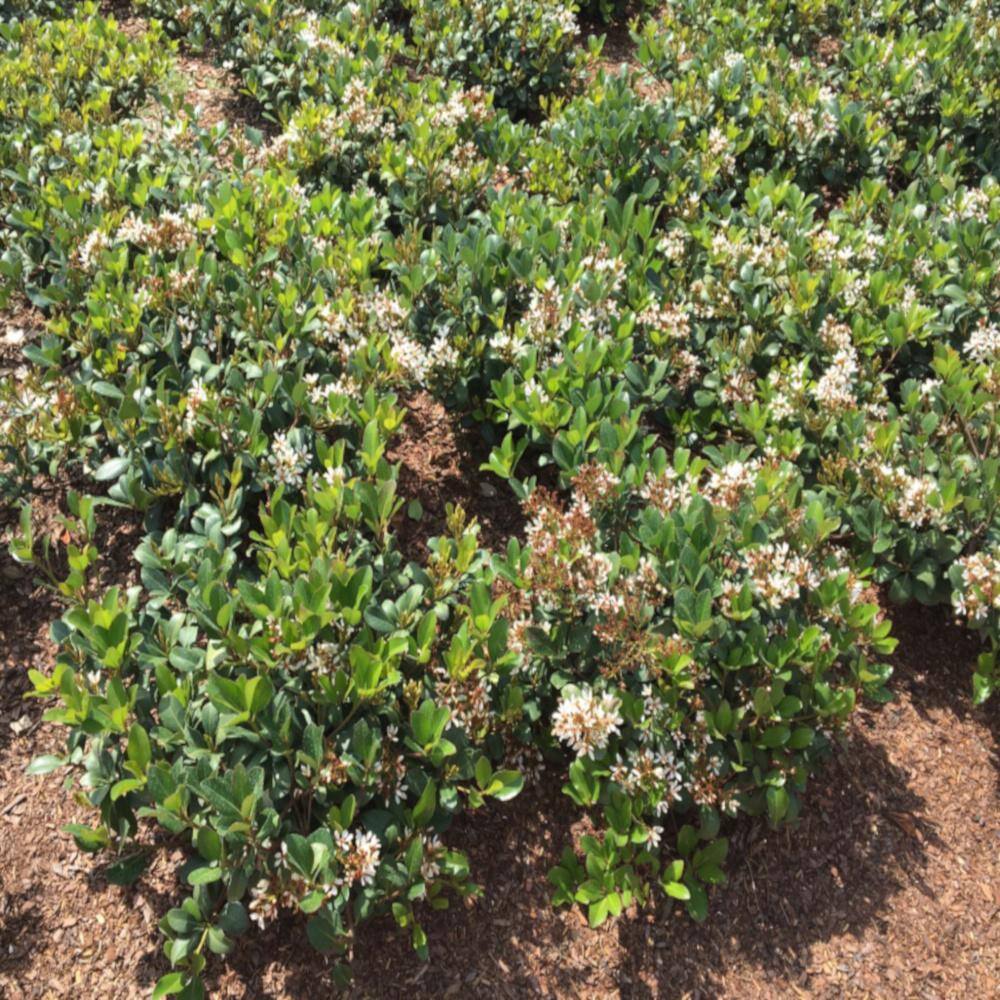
(127, 870)
(697, 905)
(168, 985)
(423, 811)
(323, 934)
(209, 844)
(111, 469)
(233, 919)
(505, 785)
(598, 912)
(484, 772)
(204, 875)
(139, 751)
(677, 889)
(87, 838)
(45, 764)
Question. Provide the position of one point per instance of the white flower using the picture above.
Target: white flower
(92, 248)
(335, 476)
(586, 720)
(360, 854)
(288, 461)
(981, 582)
(984, 344)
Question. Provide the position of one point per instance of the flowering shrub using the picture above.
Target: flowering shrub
(521, 50)
(281, 718)
(767, 249)
(976, 579)
(695, 640)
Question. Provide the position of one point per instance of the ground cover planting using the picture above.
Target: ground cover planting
(717, 331)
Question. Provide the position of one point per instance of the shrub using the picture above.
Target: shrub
(766, 250)
(309, 718)
(521, 50)
(690, 633)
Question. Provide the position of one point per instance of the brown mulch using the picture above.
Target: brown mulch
(20, 324)
(436, 455)
(216, 95)
(213, 93)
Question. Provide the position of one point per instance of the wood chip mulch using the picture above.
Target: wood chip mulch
(439, 463)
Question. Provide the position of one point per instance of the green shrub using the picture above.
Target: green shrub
(520, 50)
(767, 249)
(690, 632)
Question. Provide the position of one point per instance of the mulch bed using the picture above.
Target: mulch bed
(439, 463)
(890, 886)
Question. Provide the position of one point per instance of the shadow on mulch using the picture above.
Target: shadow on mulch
(474, 944)
(790, 889)
(854, 850)
(20, 924)
(933, 664)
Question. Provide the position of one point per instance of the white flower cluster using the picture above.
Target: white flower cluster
(835, 388)
(314, 34)
(981, 586)
(726, 486)
(461, 168)
(673, 244)
(89, 252)
(983, 345)
(720, 150)
(459, 108)
(908, 496)
(650, 770)
(418, 362)
(811, 125)
(557, 19)
(197, 396)
(288, 461)
(787, 386)
(665, 490)
(586, 720)
(544, 325)
(777, 574)
(739, 386)
(970, 204)
(359, 854)
(169, 232)
(434, 850)
(266, 901)
(666, 318)
(359, 109)
(357, 117)
(327, 657)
